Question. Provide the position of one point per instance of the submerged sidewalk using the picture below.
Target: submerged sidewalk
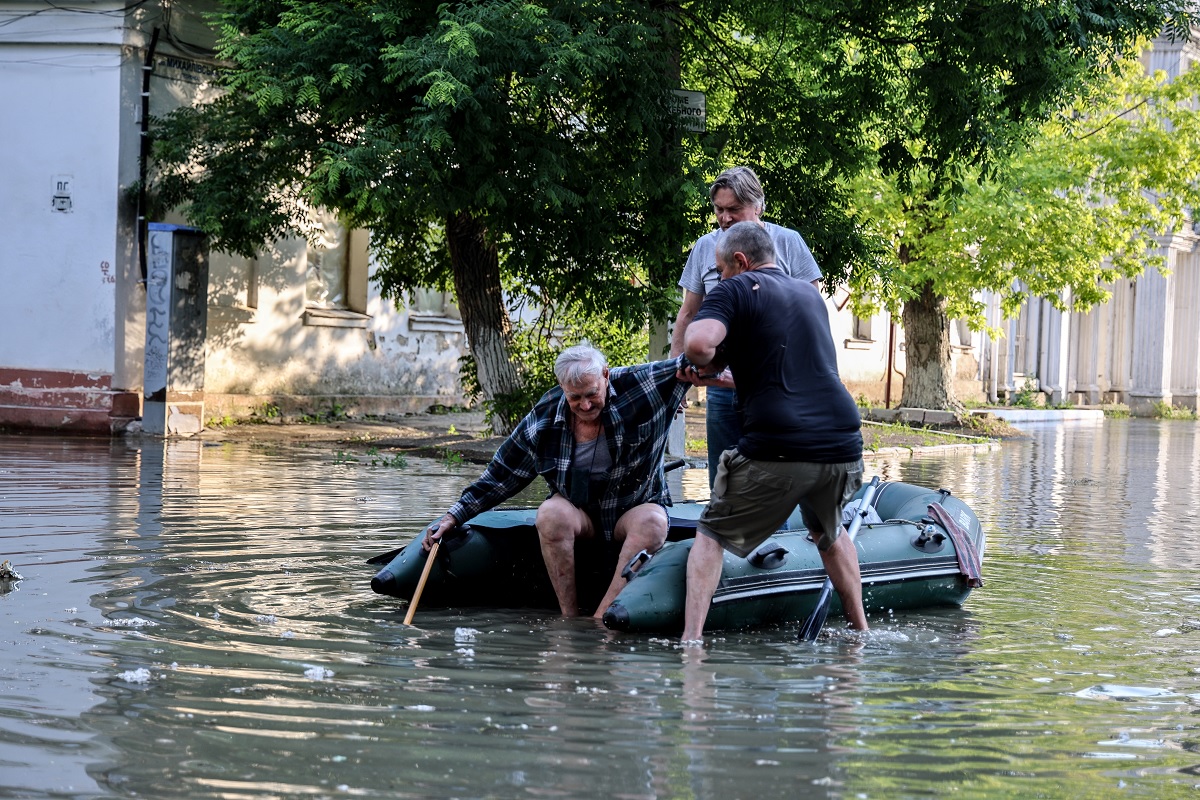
(466, 433)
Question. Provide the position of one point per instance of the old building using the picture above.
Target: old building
(300, 329)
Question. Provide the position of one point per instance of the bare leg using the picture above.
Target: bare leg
(841, 564)
(703, 574)
(559, 524)
(642, 527)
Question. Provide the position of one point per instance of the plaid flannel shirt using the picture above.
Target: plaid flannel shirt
(637, 414)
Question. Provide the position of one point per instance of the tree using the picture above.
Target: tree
(522, 147)
(1084, 204)
(473, 140)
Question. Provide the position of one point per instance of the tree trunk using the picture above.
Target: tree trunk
(928, 377)
(476, 267)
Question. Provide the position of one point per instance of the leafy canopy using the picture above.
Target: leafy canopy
(1086, 203)
(547, 123)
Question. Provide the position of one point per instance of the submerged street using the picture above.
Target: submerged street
(195, 621)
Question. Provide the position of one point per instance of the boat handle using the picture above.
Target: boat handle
(635, 563)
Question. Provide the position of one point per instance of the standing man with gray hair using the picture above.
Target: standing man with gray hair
(737, 196)
(598, 439)
(801, 441)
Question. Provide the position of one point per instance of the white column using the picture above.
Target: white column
(1153, 337)
(1185, 367)
(1055, 338)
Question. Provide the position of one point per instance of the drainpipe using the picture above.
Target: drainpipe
(891, 362)
(144, 152)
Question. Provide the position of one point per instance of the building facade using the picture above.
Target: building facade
(299, 330)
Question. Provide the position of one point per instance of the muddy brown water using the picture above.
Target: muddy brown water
(195, 621)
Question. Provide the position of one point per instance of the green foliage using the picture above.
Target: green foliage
(543, 130)
(336, 412)
(548, 123)
(538, 343)
(1081, 206)
(877, 435)
(438, 408)
(378, 459)
(1029, 396)
(1116, 411)
(452, 458)
(1164, 410)
(265, 413)
(545, 123)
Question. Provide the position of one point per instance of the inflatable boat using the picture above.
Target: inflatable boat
(918, 548)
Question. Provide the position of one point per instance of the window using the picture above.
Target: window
(335, 273)
(964, 334)
(433, 310)
(325, 273)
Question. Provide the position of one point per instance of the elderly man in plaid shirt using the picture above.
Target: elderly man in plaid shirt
(598, 440)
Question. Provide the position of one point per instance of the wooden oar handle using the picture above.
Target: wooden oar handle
(416, 598)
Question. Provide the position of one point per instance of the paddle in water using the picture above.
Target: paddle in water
(816, 620)
(416, 598)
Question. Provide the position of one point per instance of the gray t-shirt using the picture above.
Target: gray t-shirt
(792, 255)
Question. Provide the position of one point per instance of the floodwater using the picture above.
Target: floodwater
(196, 622)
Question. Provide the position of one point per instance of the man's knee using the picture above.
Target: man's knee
(559, 520)
(645, 524)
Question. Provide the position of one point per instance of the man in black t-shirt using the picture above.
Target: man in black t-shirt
(801, 440)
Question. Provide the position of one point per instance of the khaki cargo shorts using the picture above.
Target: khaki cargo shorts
(751, 499)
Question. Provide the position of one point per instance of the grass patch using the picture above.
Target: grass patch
(378, 459)
(335, 413)
(1163, 410)
(878, 435)
(264, 414)
(1115, 411)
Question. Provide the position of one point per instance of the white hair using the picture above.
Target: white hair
(578, 362)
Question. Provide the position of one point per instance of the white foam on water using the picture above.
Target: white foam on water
(317, 673)
(1125, 740)
(1112, 756)
(139, 675)
(1113, 691)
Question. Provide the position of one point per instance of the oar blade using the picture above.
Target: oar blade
(816, 620)
(384, 558)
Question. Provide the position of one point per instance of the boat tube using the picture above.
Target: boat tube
(908, 560)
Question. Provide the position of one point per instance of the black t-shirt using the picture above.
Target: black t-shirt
(793, 403)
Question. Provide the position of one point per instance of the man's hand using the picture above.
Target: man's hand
(700, 376)
(435, 531)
